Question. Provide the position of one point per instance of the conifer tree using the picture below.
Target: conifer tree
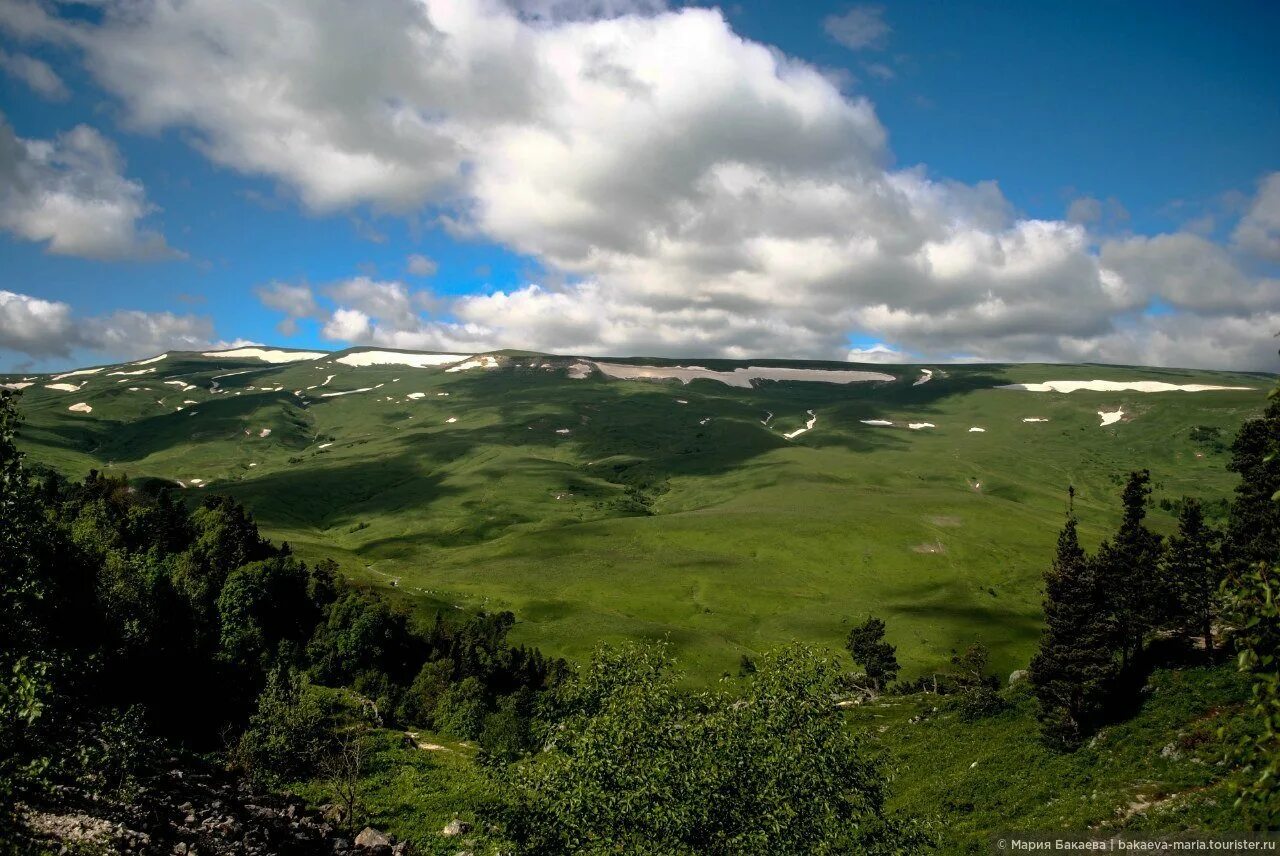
(1073, 670)
(1254, 528)
(1194, 572)
(1129, 566)
(867, 647)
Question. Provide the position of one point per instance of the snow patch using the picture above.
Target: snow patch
(1034, 419)
(577, 371)
(562, 430)
(976, 430)
(265, 432)
(741, 377)
(64, 387)
(485, 362)
(132, 374)
(80, 408)
(884, 423)
(926, 375)
(808, 426)
(1110, 417)
(347, 392)
(324, 445)
(75, 373)
(916, 426)
(150, 361)
(414, 396)
(451, 419)
(268, 355)
(1068, 386)
(390, 358)
(17, 385)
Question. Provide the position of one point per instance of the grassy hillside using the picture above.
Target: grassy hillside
(599, 509)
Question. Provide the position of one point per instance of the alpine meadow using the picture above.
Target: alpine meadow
(638, 428)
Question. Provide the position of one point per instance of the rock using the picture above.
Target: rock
(370, 837)
(1171, 752)
(456, 827)
(1018, 675)
(402, 849)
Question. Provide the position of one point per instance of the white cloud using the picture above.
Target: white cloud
(688, 191)
(32, 325)
(877, 353)
(36, 74)
(48, 328)
(1258, 232)
(420, 265)
(860, 27)
(70, 193)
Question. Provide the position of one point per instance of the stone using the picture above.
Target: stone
(456, 827)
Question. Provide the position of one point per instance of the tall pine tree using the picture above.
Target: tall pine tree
(1073, 670)
(1138, 598)
(1193, 570)
(1254, 528)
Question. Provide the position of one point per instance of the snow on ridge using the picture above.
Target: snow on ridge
(150, 361)
(76, 372)
(485, 362)
(1069, 386)
(741, 377)
(269, 355)
(391, 358)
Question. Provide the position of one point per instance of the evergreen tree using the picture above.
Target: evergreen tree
(1193, 570)
(1129, 566)
(1254, 528)
(1075, 666)
(1251, 595)
(869, 650)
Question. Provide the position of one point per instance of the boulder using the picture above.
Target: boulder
(372, 838)
(1019, 675)
(456, 827)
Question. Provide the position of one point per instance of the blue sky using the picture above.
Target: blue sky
(1074, 181)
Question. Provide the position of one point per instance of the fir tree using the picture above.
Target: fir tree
(1129, 566)
(1075, 666)
(1194, 572)
(1254, 528)
(869, 650)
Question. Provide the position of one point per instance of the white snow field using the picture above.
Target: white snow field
(808, 426)
(741, 377)
(391, 358)
(1068, 386)
(268, 355)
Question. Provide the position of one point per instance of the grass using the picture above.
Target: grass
(646, 521)
(1159, 771)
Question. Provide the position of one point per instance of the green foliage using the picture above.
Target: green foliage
(1251, 595)
(1075, 665)
(24, 684)
(641, 767)
(867, 646)
(289, 733)
(1194, 572)
(462, 709)
(1254, 529)
(1128, 566)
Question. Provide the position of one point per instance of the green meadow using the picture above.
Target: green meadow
(599, 509)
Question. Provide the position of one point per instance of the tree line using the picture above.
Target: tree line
(1104, 612)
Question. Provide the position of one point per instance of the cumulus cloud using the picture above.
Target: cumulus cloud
(71, 194)
(420, 265)
(295, 301)
(36, 74)
(1258, 232)
(859, 28)
(689, 192)
(48, 328)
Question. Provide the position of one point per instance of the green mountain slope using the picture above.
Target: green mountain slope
(600, 508)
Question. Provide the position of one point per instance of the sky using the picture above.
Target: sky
(891, 182)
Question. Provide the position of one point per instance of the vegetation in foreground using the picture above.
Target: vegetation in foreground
(298, 674)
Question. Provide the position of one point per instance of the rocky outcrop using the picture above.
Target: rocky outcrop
(197, 811)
